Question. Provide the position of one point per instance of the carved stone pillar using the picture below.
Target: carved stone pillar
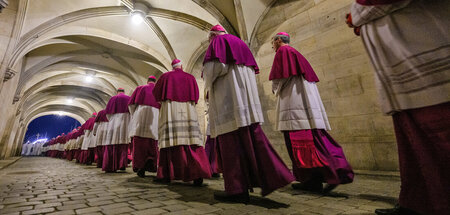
(3, 4)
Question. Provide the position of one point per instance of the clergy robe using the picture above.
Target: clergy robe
(61, 146)
(210, 145)
(143, 128)
(47, 147)
(99, 131)
(87, 147)
(115, 155)
(78, 142)
(182, 156)
(245, 155)
(66, 151)
(301, 116)
(55, 146)
(68, 146)
(409, 46)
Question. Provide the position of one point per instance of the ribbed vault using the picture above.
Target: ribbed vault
(69, 57)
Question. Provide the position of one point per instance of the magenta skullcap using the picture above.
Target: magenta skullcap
(176, 63)
(284, 34)
(217, 28)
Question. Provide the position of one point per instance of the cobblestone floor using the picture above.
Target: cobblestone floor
(38, 185)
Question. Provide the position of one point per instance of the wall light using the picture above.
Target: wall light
(69, 101)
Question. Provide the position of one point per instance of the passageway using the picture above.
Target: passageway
(38, 185)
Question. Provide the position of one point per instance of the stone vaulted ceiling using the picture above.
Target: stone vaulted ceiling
(71, 55)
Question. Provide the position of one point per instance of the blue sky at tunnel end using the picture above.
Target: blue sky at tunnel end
(49, 126)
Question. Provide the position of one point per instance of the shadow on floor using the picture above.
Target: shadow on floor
(204, 194)
(386, 199)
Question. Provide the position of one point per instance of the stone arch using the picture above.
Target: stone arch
(62, 20)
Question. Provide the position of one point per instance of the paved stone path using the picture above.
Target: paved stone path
(38, 185)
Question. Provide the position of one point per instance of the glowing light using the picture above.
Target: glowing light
(89, 78)
(40, 140)
(137, 17)
(69, 101)
(60, 113)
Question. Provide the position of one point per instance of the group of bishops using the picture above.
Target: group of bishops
(408, 43)
(158, 128)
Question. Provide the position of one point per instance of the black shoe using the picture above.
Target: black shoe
(329, 187)
(216, 175)
(316, 188)
(397, 210)
(161, 180)
(237, 198)
(198, 182)
(141, 173)
(149, 166)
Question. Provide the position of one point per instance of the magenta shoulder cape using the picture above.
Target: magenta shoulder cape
(377, 2)
(118, 104)
(289, 62)
(101, 116)
(229, 49)
(71, 134)
(143, 95)
(176, 86)
(89, 124)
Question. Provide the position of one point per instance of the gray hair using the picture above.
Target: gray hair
(283, 38)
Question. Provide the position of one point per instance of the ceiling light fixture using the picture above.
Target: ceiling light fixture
(70, 101)
(89, 78)
(137, 18)
(139, 13)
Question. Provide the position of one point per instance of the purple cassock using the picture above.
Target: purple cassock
(211, 152)
(316, 157)
(76, 154)
(69, 151)
(100, 130)
(143, 128)
(87, 154)
(182, 156)
(115, 155)
(245, 156)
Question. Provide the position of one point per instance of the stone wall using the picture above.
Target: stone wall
(318, 31)
(7, 110)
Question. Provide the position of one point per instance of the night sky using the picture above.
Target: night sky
(50, 126)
